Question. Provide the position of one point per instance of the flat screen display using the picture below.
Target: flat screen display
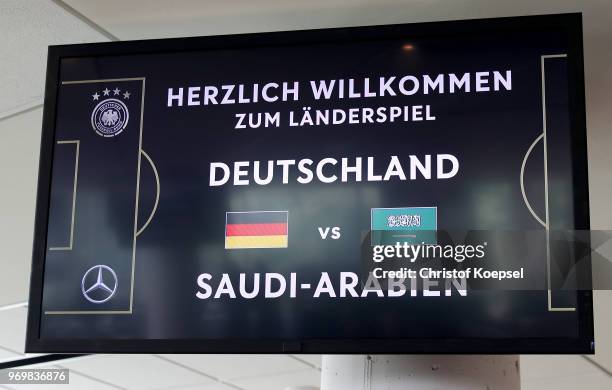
(270, 192)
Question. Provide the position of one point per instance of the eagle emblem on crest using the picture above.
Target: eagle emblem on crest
(109, 117)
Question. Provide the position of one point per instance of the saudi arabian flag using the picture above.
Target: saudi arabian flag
(413, 225)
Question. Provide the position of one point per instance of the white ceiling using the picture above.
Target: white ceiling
(186, 372)
(19, 144)
(207, 17)
(28, 26)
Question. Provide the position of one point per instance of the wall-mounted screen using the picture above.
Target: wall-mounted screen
(352, 190)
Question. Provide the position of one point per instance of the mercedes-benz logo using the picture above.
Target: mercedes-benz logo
(99, 284)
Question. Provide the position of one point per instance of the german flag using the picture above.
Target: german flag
(256, 229)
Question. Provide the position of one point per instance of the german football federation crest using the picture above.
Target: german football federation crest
(110, 117)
